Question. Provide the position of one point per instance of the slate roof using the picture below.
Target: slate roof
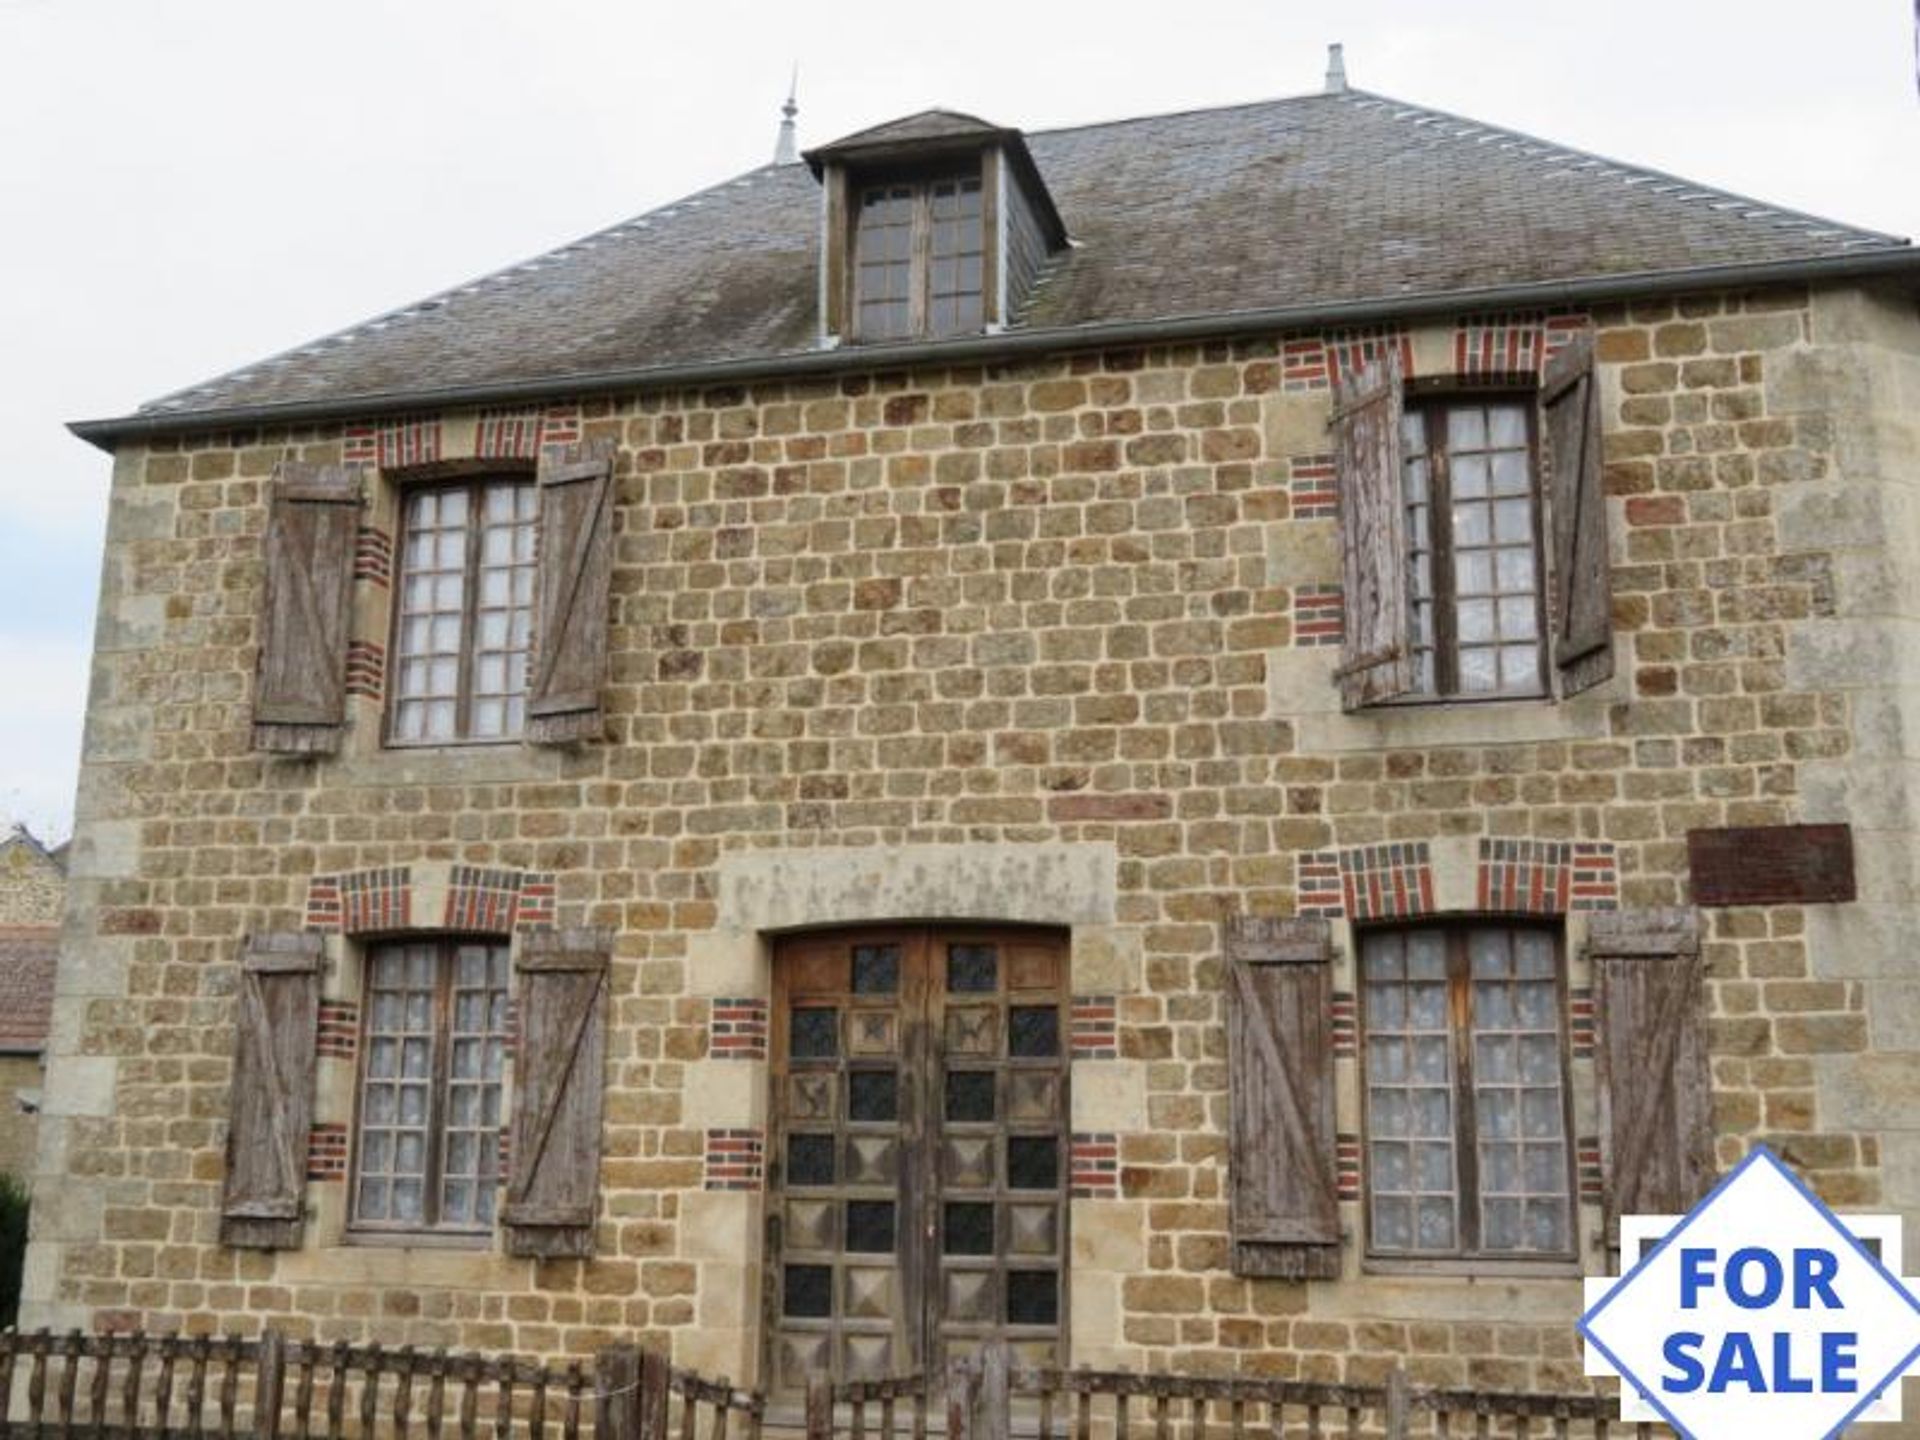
(1314, 201)
(28, 954)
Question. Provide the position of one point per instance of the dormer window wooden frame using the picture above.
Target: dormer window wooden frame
(926, 235)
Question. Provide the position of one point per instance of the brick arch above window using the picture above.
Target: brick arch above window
(431, 896)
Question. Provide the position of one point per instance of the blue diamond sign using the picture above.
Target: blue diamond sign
(1759, 1313)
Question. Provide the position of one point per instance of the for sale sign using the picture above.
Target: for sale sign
(1759, 1313)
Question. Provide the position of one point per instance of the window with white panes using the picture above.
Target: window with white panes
(919, 260)
(1466, 1093)
(1473, 546)
(427, 1156)
(463, 621)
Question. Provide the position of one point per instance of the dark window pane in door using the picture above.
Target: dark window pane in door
(1033, 1031)
(810, 1160)
(814, 1034)
(970, 1095)
(972, 968)
(968, 1230)
(1033, 1162)
(808, 1292)
(1033, 1297)
(873, 1095)
(870, 1226)
(876, 969)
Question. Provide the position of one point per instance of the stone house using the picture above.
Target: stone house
(33, 889)
(1199, 742)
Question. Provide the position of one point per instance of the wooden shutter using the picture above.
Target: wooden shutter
(1285, 1213)
(1656, 1118)
(300, 690)
(1582, 582)
(576, 572)
(1376, 660)
(558, 1082)
(272, 1091)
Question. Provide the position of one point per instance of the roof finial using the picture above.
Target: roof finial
(1336, 70)
(786, 150)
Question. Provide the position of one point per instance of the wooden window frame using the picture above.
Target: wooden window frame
(430, 1231)
(1433, 397)
(1467, 1257)
(920, 258)
(474, 480)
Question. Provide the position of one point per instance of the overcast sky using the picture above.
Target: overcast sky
(188, 185)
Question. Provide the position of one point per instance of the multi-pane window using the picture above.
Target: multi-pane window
(463, 626)
(1465, 1093)
(1473, 566)
(428, 1156)
(919, 259)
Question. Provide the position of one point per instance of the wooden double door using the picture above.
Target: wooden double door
(919, 1170)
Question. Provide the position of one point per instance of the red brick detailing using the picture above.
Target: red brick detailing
(366, 668)
(1094, 1172)
(1596, 876)
(1095, 1028)
(1511, 343)
(1346, 1025)
(736, 1159)
(1319, 615)
(1580, 1022)
(1656, 509)
(482, 899)
(1586, 1156)
(738, 1030)
(372, 900)
(413, 441)
(509, 435)
(327, 1152)
(1067, 808)
(1351, 351)
(505, 1167)
(360, 445)
(323, 903)
(1387, 881)
(1317, 885)
(1312, 488)
(560, 425)
(1303, 363)
(339, 1029)
(1346, 1166)
(1528, 877)
(536, 908)
(373, 555)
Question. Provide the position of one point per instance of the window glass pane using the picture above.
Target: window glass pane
(813, 1034)
(967, 1229)
(876, 969)
(1409, 1092)
(1033, 1162)
(972, 969)
(970, 1096)
(1518, 1092)
(1034, 1031)
(1033, 1297)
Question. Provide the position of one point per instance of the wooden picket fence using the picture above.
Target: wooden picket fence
(988, 1397)
(272, 1388)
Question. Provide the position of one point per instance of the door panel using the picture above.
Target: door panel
(918, 1178)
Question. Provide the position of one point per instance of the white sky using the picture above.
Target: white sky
(187, 185)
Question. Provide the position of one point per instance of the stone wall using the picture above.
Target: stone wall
(1049, 642)
(19, 1074)
(32, 887)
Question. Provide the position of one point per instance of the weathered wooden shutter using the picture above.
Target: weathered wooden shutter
(1582, 581)
(272, 1091)
(1656, 1116)
(558, 1080)
(300, 690)
(576, 571)
(1285, 1213)
(1376, 659)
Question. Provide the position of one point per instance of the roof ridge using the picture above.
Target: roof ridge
(440, 298)
(1271, 100)
(1726, 199)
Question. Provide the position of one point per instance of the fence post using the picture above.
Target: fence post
(996, 1394)
(1397, 1404)
(960, 1396)
(656, 1390)
(269, 1381)
(819, 1407)
(616, 1392)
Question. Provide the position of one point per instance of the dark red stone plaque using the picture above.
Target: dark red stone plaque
(1771, 864)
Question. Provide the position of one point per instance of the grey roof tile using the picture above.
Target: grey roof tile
(1314, 200)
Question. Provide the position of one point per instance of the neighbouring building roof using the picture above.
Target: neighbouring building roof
(28, 955)
(1320, 201)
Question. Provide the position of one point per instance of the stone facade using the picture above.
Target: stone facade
(33, 892)
(1041, 643)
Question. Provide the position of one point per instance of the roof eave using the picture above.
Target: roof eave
(1890, 262)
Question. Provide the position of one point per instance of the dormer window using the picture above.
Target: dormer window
(935, 226)
(919, 255)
